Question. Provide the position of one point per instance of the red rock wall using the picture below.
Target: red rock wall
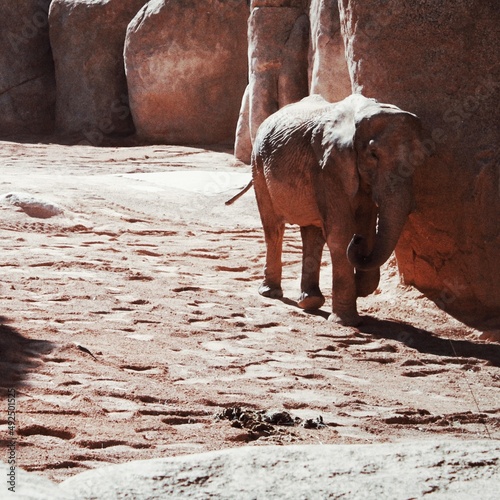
(27, 84)
(328, 68)
(279, 63)
(440, 60)
(295, 48)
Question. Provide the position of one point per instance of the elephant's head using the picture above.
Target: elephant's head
(388, 147)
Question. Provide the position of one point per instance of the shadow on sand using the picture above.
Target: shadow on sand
(421, 340)
(18, 356)
(426, 342)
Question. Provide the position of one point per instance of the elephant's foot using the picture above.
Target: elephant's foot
(271, 291)
(352, 319)
(310, 301)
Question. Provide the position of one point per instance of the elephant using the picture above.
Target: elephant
(343, 173)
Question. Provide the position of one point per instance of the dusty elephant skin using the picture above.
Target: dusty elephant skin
(333, 169)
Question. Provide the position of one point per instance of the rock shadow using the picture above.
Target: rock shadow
(428, 343)
(18, 356)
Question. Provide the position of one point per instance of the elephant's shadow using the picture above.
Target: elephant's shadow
(419, 339)
(428, 343)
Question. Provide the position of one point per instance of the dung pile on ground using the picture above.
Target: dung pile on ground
(261, 423)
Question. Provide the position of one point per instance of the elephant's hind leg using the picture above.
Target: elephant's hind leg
(312, 250)
(271, 286)
(274, 228)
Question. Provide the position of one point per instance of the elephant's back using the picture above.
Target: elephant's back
(288, 131)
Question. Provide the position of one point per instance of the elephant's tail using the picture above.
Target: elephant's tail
(241, 193)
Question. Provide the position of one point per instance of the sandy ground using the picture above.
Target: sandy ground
(130, 320)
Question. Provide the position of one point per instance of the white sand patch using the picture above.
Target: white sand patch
(201, 182)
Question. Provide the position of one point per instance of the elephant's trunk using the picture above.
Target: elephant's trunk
(392, 218)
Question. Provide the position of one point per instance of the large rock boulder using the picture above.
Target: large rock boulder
(87, 40)
(187, 69)
(431, 469)
(27, 85)
(440, 60)
(329, 73)
(278, 49)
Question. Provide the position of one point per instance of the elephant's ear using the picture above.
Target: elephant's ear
(334, 147)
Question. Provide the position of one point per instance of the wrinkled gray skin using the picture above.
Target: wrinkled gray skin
(334, 169)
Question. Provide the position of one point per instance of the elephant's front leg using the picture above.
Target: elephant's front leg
(312, 250)
(344, 293)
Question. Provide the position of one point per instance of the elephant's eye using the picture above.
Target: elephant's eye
(372, 150)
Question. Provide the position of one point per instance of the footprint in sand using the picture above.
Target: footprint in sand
(41, 430)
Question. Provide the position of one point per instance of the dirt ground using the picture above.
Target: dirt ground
(131, 327)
